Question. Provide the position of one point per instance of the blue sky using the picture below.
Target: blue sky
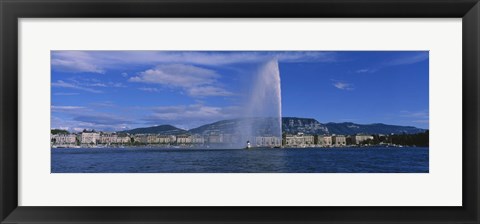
(117, 90)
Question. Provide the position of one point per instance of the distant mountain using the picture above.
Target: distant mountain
(293, 125)
(261, 126)
(290, 125)
(224, 126)
(161, 129)
(349, 128)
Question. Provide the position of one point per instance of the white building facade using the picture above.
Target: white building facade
(90, 138)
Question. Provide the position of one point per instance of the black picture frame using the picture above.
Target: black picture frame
(12, 10)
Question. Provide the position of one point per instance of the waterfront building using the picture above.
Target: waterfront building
(108, 138)
(141, 138)
(339, 140)
(299, 140)
(324, 141)
(215, 138)
(90, 138)
(349, 140)
(173, 138)
(152, 139)
(309, 140)
(184, 139)
(165, 139)
(65, 139)
(197, 139)
(293, 140)
(359, 138)
(147, 138)
(123, 138)
(268, 141)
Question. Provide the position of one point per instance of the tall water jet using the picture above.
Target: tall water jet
(263, 111)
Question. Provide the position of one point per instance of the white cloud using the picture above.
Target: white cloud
(419, 57)
(63, 84)
(98, 85)
(196, 81)
(190, 116)
(404, 60)
(74, 61)
(65, 94)
(366, 70)
(80, 117)
(208, 91)
(343, 85)
(88, 85)
(78, 125)
(177, 75)
(195, 111)
(116, 84)
(104, 104)
(102, 119)
(99, 61)
(146, 89)
(63, 108)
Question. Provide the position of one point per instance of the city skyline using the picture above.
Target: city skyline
(120, 90)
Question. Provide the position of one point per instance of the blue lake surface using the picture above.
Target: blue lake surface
(303, 160)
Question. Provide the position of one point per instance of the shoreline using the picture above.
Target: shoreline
(236, 148)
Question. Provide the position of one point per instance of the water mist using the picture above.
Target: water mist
(263, 110)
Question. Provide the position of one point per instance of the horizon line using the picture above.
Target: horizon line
(330, 122)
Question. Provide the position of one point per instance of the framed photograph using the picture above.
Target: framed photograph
(246, 112)
(239, 112)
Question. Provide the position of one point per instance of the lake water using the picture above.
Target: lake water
(304, 160)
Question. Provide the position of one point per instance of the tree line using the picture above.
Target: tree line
(418, 139)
